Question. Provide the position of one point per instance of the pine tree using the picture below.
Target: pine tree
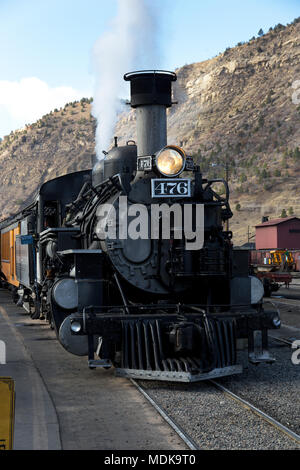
(283, 214)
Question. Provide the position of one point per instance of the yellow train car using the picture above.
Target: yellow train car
(8, 253)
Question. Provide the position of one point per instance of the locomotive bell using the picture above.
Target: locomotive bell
(151, 95)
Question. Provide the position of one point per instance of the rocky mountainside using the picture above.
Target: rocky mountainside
(60, 142)
(240, 109)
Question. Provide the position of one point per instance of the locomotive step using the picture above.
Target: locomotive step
(103, 363)
(178, 376)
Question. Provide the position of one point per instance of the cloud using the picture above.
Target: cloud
(29, 99)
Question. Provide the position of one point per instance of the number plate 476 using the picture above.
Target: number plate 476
(166, 187)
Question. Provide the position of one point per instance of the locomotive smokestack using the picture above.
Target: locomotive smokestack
(151, 95)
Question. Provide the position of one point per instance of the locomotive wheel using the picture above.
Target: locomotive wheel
(51, 322)
(15, 295)
(35, 313)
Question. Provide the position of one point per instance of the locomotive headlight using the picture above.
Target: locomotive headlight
(170, 161)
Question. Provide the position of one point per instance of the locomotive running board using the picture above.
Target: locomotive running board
(178, 376)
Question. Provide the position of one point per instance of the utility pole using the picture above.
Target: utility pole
(227, 181)
(250, 236)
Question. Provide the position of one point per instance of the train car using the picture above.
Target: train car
(274, 268)
(131, 265)
(8, 258)
(22, 260)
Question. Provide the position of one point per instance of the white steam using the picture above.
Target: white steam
(129, 45)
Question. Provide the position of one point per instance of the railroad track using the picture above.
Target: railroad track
(178, 429)
(285, 341)
(291, 434)
(285, 301)
(190, 442)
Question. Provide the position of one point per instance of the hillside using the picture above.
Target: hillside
(60, 142)
(236, 108)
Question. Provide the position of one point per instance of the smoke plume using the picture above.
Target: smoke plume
(129, 45)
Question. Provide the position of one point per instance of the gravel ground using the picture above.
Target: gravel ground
(215, 421)
(274, 389)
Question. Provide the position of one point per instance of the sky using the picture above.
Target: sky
(46, 46)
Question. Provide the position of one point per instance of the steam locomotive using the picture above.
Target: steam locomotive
(130, 264)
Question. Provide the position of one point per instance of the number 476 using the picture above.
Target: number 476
(173, 188)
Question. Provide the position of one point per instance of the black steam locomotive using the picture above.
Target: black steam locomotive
(130, 263)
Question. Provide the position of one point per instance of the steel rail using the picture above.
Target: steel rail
(187, 440)
(286, 301)
(289, 327)
(281, 340)
(258, 412)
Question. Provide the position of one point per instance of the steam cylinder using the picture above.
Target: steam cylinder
(151, 95)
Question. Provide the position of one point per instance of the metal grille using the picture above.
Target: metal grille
(224, 332)
(143, 347)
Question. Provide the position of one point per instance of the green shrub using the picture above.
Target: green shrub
(283, 214)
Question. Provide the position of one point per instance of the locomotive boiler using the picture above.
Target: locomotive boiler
(130, 262)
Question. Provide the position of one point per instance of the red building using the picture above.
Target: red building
(278, 234)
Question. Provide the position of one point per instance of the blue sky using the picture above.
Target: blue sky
(51, 41)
